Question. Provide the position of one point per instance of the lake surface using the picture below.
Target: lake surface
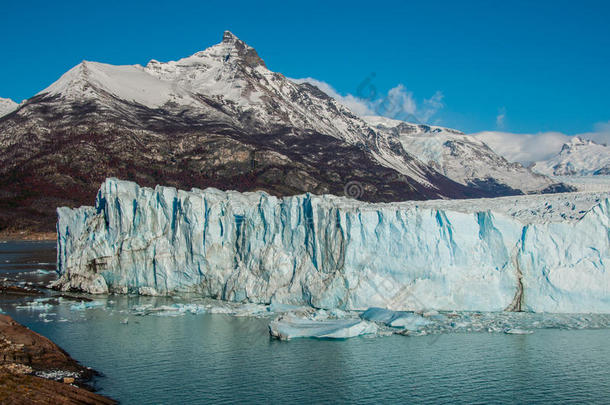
(216, 358)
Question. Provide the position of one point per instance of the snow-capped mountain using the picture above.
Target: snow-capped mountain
(579, 157)
(228, 80)
(7, 106)
(462, 158)
(217, 118)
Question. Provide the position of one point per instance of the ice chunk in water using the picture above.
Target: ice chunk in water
(287, 327)
(83, 305)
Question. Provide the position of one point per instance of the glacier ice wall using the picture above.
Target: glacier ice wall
(330, 252)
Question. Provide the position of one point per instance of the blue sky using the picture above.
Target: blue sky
(543, 66)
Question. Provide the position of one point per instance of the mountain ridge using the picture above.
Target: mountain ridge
(579, 157)
(462, 158)
(216, 118)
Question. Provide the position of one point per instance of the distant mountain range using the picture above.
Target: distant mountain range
(220, 118)
(463, 158)
(579, 157)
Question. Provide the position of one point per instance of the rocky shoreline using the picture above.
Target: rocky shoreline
(26, 235)
(33, 369)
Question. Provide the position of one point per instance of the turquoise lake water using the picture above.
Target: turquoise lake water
(216, 358)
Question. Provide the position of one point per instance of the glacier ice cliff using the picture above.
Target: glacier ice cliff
(332, 252)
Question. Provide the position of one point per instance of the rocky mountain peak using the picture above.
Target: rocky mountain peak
(243, 50)
(229, 37)
(229, 51)
(579, 156)
(576, 143)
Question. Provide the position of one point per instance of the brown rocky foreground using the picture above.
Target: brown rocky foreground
(25, 356)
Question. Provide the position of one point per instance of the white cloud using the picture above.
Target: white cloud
(524, 148)
(500, 118)
(398, 103)
(433, 104)
(528, 148)
(600, 134)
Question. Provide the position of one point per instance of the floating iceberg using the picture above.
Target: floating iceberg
(512, 323)
(396, 319)
(287, 327)
(83, 305)
(209, 307)
(517, 331)
(546, 253)
(35, 306)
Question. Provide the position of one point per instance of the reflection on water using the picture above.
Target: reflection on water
(202, 358)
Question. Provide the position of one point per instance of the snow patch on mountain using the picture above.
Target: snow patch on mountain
(7, 106)
(131, 83)
(219, 72)
(579, 157)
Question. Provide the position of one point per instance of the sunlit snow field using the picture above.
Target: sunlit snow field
(164, 350)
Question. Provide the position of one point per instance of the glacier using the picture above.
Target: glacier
(542, 253)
